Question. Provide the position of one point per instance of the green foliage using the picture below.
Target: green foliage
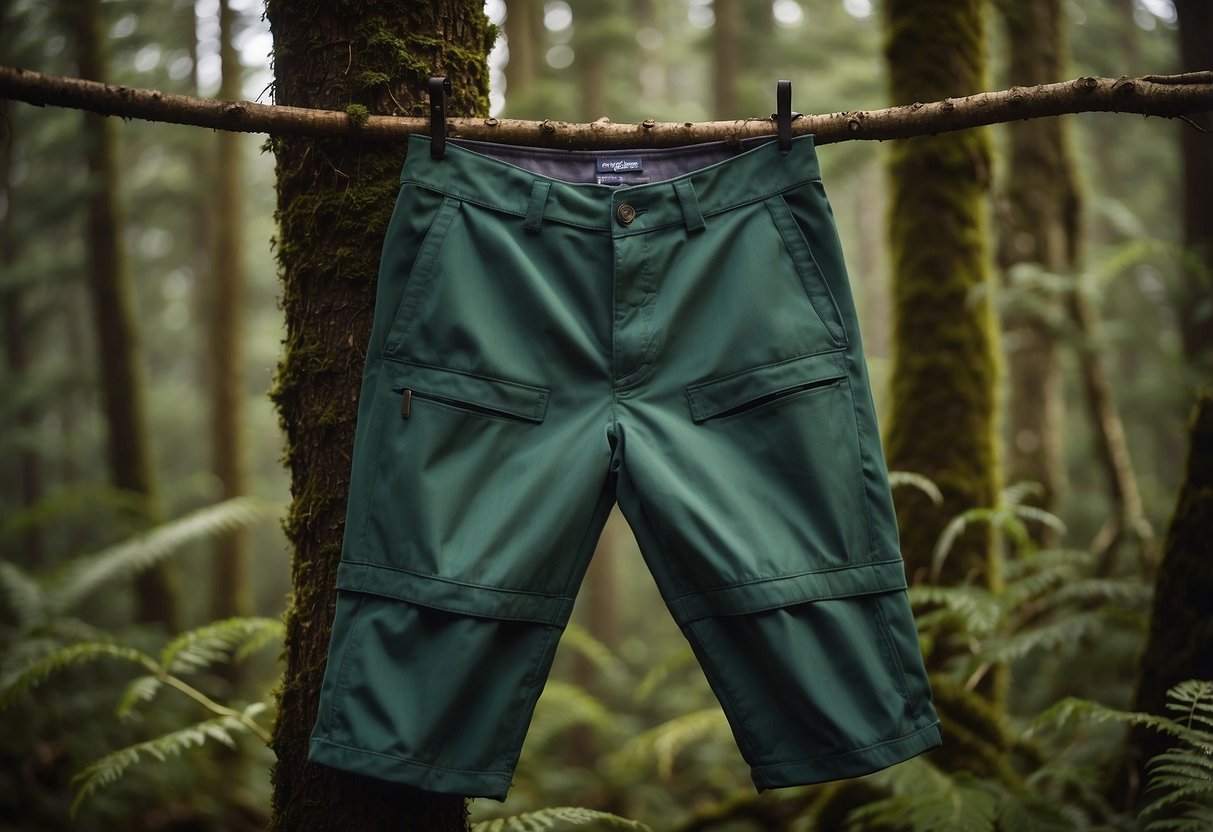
(1010, 517)
(925, 799)
(562, 817)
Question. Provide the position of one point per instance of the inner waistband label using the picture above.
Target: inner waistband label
(619, 164)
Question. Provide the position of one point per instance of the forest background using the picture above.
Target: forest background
(628, 724)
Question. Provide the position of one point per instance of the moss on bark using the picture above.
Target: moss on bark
(334, 202)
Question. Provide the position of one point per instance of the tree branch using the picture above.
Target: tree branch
(1166, 96)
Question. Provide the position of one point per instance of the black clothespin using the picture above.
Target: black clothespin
(439, 88)
(783, 114)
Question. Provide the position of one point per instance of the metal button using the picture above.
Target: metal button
(625, 214)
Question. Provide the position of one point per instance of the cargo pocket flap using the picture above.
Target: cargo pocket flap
(510, 398)
(750, 388)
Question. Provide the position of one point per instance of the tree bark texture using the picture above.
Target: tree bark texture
(121, 373)
(335, 197)
(1180, 642)
(232, 594)
(28, 479)
(1195, 304)
(1040, 207)
(1155, 95)
(945, 361)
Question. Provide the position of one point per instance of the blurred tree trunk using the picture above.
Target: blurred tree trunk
(1196, 299)
(945, 353)
(1039, 229)
(524, 34)
(945, 362)
(121, 372)
(1180, 643)
(591, 48)
(726, 54)
(16, 352)
(334, 201)
(232, 594)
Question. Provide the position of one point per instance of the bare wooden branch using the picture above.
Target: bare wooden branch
(1166, 96)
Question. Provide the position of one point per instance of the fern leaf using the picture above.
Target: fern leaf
(557, 818)
(923, 484)
(1070, 630)
(977, 609)
(561, 706)
(1194, 700)
(662, 744)
(955, 528)
(1071, 709)
(217, 642)
(73, 654)
(602, 657)
(143, 689)
(86, 574)
(657, 675)
(22, 594)
(1016, 493)
(113, 766)
(928, 800)
(1039, 515)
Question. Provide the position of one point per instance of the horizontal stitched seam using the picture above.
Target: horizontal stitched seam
(778, 605)
(499, 774)
(902, 738)
(767, 579)
(455, 582)
(699, 385)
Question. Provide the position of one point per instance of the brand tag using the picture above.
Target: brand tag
(619, 164)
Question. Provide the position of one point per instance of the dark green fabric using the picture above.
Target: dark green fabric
(544, 346)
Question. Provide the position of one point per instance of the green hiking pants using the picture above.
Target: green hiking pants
(672, 330)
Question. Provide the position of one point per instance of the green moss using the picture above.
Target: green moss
(358, 114)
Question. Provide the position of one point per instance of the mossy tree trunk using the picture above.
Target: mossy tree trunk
(120, 370)
(945, 347)
(1195, 304)
(334, 202)
(945, 360)
(1039, 229)
(232, 594)
(1180, 643)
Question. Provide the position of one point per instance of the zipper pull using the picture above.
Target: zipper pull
(406, 403)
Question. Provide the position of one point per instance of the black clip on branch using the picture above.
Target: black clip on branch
(439, 89)
(784, 115)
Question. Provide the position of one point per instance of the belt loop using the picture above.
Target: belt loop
(691, 214)
(534, 209)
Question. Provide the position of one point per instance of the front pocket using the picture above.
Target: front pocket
(421, 272)
(472, 394)
(759, 386)
(811, 276)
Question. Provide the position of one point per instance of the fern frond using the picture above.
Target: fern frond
(143, 689)
(217, 642)
(663, 743)
(1127, 592)
(923, 484)
(561, 706)
(928, 800)
(560, 817)
(113, 766)
(955, 528)
(1015, 493)
(1039, 515)
(22, 594)
(602, 657)
(1065, 631)
(73, 654)
(1072, 709)
(977, 609)
(1193, 700)
(662, 671)
(84, 575)
(1073, 559)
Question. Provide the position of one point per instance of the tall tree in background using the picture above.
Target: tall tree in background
(524, 35)
(1195, 303)
(232, 594)
(945, 363)
(334, 201)
(1039, 229)
(945, 359)
(726, 54)
(120, 370)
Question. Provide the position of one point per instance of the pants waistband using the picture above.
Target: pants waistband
(710, 179)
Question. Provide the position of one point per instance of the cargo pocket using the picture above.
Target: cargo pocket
(753, 389)
(420, 386)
